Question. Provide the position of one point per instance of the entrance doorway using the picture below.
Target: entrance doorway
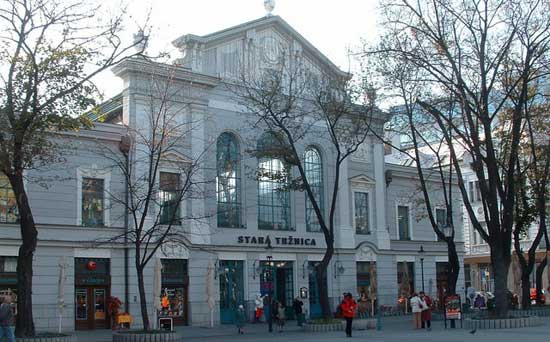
(442, 281)
(231, 289)
(92, 290)
(174, 283)
(315, 310)
(283, 282)
(91, 308)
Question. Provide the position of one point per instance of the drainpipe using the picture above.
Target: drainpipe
(124, 146)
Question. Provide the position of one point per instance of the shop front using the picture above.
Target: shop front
(175, 284)
(8, 276)
(92, 290)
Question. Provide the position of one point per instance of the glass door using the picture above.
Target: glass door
(231, 289)
(100, 313)
(81, 306)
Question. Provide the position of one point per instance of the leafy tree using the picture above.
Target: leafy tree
(49, 51)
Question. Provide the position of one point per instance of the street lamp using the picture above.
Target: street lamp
(269, 257)
(422, 252)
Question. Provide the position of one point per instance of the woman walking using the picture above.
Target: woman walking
(240, 319)
(427, 312)
(348, 311)
(417, 305)
(280, 316)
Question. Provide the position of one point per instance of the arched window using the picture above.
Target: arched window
(273, 195)
(228, 181)
(313, 168)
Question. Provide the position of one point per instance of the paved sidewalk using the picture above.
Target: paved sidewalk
(395, 329)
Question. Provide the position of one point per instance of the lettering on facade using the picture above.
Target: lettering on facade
(280, 241)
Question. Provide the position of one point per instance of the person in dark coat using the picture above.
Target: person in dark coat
(240, 319)
(297, 305)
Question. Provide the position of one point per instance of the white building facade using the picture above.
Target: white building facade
(380, 221)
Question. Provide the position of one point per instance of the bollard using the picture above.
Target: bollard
(378, 319)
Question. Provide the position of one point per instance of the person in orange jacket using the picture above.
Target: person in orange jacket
(348, 311)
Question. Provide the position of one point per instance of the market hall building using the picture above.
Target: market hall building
(381, 223)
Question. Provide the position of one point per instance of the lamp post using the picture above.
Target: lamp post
(421, 252)
(269, 257)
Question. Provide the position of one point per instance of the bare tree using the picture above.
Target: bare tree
(424, 145)
(50, 51)
(155, 199)
(480, 54)
(300, 106)
(533, 169)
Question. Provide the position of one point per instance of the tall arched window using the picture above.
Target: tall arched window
(273, 195)
(228, 181)
(313, 168)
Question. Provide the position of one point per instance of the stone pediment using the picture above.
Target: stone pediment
(176, 158)
(195, 49)
(362, 180)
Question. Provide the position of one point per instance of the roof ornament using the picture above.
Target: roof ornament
(269, 5)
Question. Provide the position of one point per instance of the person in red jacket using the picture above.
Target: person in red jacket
(348, 311)
(426, 312)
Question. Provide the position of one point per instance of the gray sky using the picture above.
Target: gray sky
(332, 26)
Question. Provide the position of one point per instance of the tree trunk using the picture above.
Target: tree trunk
(539, 274)
(453, 268)
(500, 260)
(320, 274)
(525, 290)
(24, 326)
(143, 299)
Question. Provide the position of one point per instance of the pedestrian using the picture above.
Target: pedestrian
(258, 308)
(6, 319)
(427, 312)
(297, 305)
(417, 305)
(280, 316)
(240, 319)
(348, 311)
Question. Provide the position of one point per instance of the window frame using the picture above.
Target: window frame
(238, 184)
(369, 211)
(159, 199)
(6, 190)
(288, 204)
(435, 216)
(409, 218)
(94, 173)
(321, 200)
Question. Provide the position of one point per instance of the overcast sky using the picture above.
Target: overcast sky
(332, 26)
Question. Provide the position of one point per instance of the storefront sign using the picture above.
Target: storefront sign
(280, 241)
(452, 307)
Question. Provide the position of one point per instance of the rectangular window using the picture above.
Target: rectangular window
(92, 202)
(361, 209)
(473, 191)
(366, 280)
(403, 222)
(441, 219)
(169, 198)
(405, 280)
(8, 205)
(467, 276)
